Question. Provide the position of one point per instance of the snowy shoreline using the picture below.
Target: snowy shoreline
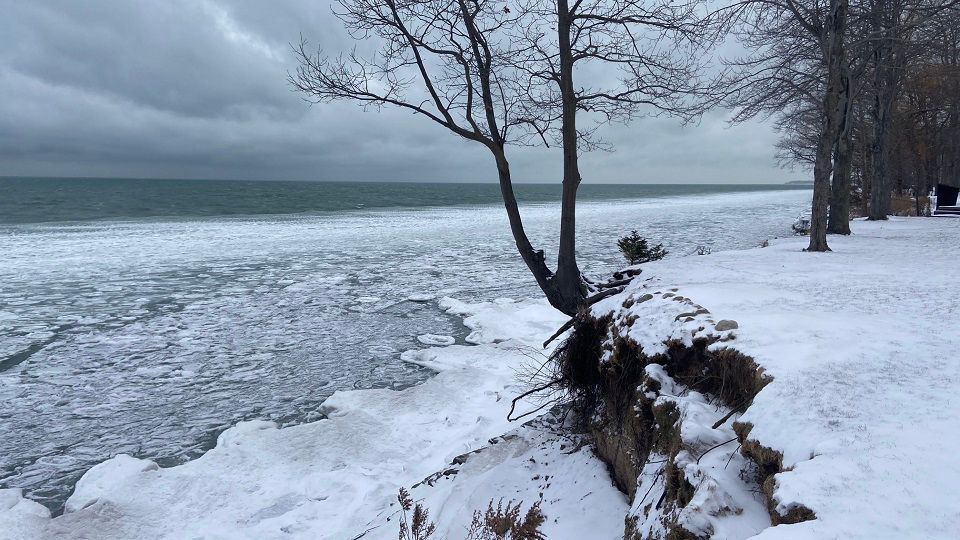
(181, 330)
(861, 401)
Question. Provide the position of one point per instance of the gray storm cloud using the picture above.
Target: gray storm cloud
(194, 89)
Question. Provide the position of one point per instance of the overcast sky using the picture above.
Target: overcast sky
(197, 89)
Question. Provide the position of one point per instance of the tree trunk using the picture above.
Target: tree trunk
(568, 281)
(884, 93)
(821, 191)
(880, 186)
(833, 50)
(839, 220)
(533, 258)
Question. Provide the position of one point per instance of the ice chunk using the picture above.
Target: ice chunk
(105, 478)
(434, 339)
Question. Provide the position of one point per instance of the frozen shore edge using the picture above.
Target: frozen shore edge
(860, 393)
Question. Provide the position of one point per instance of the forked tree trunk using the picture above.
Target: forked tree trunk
(568, 282)
(551, 284)
(533, 258)
(835, 28)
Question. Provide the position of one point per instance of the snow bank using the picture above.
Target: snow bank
(492, 322)
(723, 503)
(436, 339)
(862, 344)
(14, 506)
(540, 461)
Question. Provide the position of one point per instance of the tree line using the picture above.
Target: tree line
(865, 92)
(853, 87)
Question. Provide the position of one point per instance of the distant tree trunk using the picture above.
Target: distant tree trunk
(821, 194)
(885, 80)
(568, 281)
(834, 29)
(880, 182)
(839, 220)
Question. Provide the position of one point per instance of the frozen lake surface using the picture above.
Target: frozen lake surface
(149, 337)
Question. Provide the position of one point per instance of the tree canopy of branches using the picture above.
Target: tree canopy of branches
(445, 61)
(800, 72)
(836, 94)
(499, 74)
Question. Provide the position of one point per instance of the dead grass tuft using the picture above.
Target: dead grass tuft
(906, 205)
(415, 527)
(505, 522)
(496, 523)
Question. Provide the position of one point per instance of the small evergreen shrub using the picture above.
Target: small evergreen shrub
(637, 250)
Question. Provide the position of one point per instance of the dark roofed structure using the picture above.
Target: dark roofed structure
(946, 200)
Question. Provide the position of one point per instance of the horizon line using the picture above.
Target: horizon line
(401, 181)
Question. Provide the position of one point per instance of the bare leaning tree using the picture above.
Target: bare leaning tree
(590, 62)
(448, 62)
(498, 74)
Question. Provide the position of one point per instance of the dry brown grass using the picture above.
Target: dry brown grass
(505, 522)
(499, 522)
(418, 525)
(906, 205)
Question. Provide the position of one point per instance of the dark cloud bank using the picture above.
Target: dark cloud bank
(197, 89)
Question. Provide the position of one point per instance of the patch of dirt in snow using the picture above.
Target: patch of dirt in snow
(653, 374)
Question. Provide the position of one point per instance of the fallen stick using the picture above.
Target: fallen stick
(601, 295)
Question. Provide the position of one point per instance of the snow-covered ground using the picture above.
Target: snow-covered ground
(862, 343)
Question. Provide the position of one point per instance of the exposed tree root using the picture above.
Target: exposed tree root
(604, 375)
(769, 463)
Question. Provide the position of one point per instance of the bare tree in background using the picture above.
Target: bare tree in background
(799, 60)
(894, 26)
(790, 75)
(799, 112)
(497, 74)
